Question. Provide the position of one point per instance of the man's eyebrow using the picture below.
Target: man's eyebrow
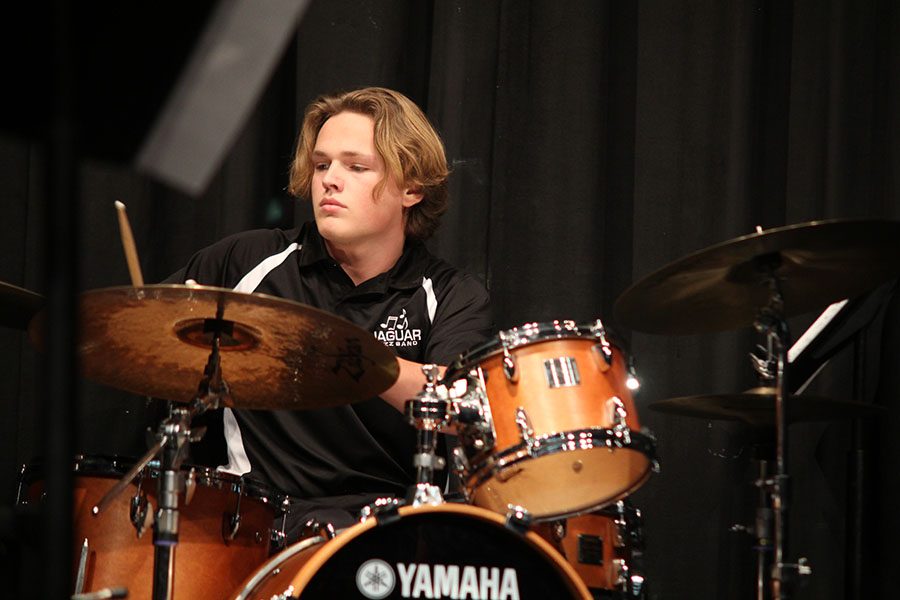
(344, 154)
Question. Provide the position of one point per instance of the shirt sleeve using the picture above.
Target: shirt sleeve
(207, 266)
(225, 262)
(463, 319)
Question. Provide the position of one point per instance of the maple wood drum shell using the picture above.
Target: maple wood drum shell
(548, 422)
(604, 548)
(444, 551)
(206, 564)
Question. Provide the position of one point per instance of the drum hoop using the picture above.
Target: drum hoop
(318, 559)
(526, 335)
(552, 443)
(267, 569)
(546, 445)
(115, 466)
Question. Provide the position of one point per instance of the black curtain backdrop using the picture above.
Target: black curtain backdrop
(591, 143)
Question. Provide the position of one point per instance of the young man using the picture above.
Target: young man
(375, 171)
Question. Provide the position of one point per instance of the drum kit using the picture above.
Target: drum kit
(549, 441)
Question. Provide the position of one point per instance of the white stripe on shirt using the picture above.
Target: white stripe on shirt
(238, 462)
(254, 277)
(430, 299)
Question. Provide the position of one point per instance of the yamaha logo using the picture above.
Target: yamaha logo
(375, 579)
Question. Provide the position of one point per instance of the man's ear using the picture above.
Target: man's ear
(412, 196)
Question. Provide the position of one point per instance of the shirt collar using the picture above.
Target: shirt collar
(312, 246)
(406, 273)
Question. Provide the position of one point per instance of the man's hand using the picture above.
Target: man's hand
(410, 383)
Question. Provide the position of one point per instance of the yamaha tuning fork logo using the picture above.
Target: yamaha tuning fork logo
(395, 331)
(376, 579)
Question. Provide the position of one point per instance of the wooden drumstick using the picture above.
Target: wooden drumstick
(134, 267)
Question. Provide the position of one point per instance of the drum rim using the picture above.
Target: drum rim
(642, 442)
(115, 466)
(305, 574)
(527, 334)
(266, 570)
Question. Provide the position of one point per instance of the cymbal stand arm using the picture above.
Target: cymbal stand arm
(128, 477)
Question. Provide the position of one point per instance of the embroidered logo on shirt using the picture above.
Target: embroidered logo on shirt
(395, 331)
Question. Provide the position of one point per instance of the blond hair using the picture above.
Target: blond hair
(411, 149)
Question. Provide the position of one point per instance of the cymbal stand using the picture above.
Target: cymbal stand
(176, 431)
(771, 322)
(427, 412)
(171, 446)
(761, 530)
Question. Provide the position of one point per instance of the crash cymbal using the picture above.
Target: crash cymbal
(276, 354)
(723, 287)
(18, 306)
(756, 407)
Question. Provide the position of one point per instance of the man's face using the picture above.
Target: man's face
(347, 171)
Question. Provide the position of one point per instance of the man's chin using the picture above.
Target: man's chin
(334, 231)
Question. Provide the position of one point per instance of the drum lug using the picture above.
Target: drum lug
(603, 350)
(141, 511)
(558, 529)
(617, 414)
(231, 522)
(621, 570)
(190, 486)
(381, 506)
(518, 519)
(471, 413)
(526, 431)
(316, 528)
(510, 365)
(278, 537)
(460, 462)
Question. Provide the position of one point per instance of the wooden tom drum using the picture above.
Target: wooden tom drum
(546, 421)
(224, 532)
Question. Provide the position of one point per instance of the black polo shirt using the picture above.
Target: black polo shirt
(423, 309)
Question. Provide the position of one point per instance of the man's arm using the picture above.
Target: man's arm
(463, 320)
(410, 383)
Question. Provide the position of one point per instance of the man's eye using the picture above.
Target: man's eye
(321, 166)
(358, 168)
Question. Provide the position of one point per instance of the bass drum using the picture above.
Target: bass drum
(225, 530)
(444, 551)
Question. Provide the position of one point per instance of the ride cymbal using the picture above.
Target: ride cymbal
(724, 286)
(275, 353)
(756, 407)
(18, 306)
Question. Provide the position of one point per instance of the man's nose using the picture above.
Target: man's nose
(331, 179)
